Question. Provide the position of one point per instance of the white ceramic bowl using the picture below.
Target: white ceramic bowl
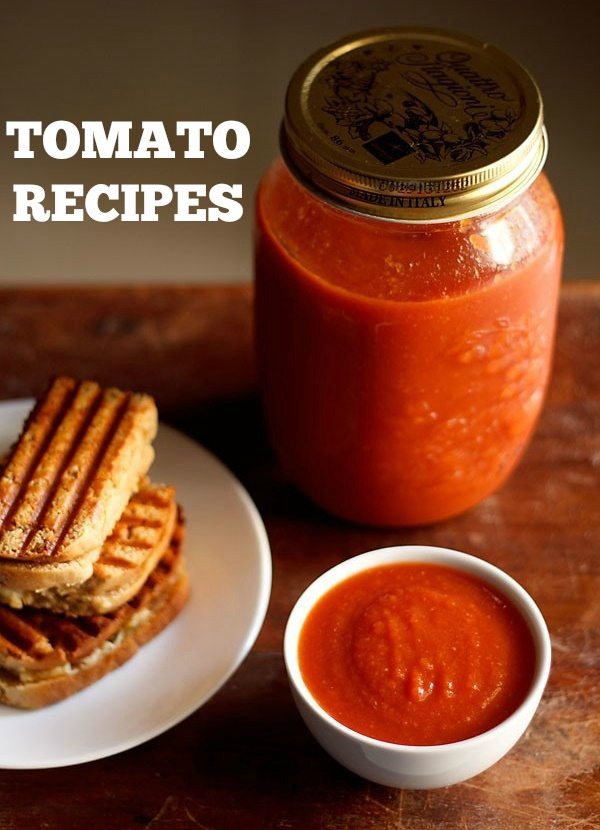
(399, 765)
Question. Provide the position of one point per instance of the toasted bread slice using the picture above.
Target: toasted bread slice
(16, 576)
(138, 541)
(45, 657)
(141, 535)
(81, 455)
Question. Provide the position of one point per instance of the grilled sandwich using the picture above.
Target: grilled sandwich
(82, 454)
(138, 541)
(45, 657)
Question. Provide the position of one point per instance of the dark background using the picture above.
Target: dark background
(205, 60)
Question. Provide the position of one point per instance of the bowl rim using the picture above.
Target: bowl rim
(397, 554)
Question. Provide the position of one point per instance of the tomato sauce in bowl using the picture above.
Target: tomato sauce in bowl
(417, 654)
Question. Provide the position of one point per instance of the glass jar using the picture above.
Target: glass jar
(406, 278)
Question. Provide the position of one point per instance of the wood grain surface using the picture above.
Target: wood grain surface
(185, 345)
(245, 760)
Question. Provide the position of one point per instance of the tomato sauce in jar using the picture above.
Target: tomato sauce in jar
(416, 654)
(405, 341)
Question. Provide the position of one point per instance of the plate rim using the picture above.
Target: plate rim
(265, 571)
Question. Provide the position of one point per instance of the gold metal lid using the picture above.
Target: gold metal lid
(414, 124)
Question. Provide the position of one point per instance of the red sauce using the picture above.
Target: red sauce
(416, 654)
(403, 367)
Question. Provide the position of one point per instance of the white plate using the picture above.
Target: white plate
(229, 564)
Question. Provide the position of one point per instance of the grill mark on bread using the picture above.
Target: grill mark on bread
(55, 464)
(132, 544)
(164, 568)
(80, 456)
(133, 523)
(18, 637)
(57, 517)
(37, 434)
(136, 409)
(75, 640)
(152, 524)
(119, 562)
(39, 487)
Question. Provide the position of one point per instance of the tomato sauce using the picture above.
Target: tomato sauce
(416, 654)
(403, 367)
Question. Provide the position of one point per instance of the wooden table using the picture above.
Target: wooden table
(245, 760)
